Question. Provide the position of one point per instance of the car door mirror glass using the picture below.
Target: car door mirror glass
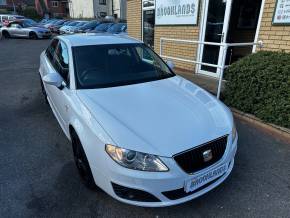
(54, 79)
(170, 64)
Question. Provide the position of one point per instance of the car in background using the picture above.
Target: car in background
(49, 24)
(22, 28)
(87, 27)
(64, 29)
(102, 28)
(56, 26)
(43, 21)
(118, 28)
(71, 30)
(5, 19)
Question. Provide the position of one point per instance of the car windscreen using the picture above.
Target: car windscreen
(26, 24)
(103, 66)
(81, 24)
(90, 24)
(73, 23)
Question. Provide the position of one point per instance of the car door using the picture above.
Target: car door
(57, 61)
(16, 29)
(13, 29)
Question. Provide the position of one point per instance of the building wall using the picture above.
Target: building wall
(81, 9)
(179, 50)
(275, 38)
(60, 10)
(120, 8)
(186, 51)
(134, 18)
(100, 8)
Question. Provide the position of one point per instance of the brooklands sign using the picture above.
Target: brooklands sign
(176, 12)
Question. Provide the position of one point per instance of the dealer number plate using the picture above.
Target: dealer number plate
(199, 181)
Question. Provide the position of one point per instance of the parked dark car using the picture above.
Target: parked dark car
(101, 28)
(87, 27)
(118, 28)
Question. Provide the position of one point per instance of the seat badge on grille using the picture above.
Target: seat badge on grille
(207, 155)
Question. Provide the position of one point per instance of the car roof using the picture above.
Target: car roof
(96, 39)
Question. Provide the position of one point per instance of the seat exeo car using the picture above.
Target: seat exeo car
(139, 132)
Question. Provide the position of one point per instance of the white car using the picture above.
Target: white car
(139, 132)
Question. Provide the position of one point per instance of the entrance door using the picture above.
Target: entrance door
(148, 27)
(227, 21)
(148, 22)
(215, 28)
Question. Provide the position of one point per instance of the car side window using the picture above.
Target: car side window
(15, 25)
(61, 60)
(50, 51)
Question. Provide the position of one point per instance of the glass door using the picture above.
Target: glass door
(215, 27)
(148, 22)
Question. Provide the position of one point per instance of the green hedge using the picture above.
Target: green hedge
(259, 84)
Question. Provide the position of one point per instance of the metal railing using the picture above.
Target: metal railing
(223, 46)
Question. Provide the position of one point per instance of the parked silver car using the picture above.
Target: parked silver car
(24, 28)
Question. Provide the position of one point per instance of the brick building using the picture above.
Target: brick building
(54, 8)
(216, 21)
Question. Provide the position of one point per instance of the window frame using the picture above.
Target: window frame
(102, 2)
(53, 61)
(57, 65)
(54, 4)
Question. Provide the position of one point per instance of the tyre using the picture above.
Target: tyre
(33, 35)
(43, 91)
(82, 163)
(5, 35)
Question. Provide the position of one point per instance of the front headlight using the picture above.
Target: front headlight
(234, 133)
(136, 160)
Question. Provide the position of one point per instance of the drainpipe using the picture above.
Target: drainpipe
(112, 7)
(14, 9)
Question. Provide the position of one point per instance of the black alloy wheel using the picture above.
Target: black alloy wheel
(82, 163)
(5, 35)
(33, 35)
(43, 91)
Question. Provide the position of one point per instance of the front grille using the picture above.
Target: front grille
(193, 160)
(133, 194)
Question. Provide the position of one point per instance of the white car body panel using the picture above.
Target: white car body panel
(162, 117)
(135, 109)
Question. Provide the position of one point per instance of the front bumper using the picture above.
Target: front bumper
(157, 184)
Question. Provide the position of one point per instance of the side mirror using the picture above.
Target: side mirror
(170, 64)
(53, 79)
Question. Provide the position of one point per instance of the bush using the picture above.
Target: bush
(30, 12)
(259, 84)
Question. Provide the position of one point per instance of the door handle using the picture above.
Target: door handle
(222, 36)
